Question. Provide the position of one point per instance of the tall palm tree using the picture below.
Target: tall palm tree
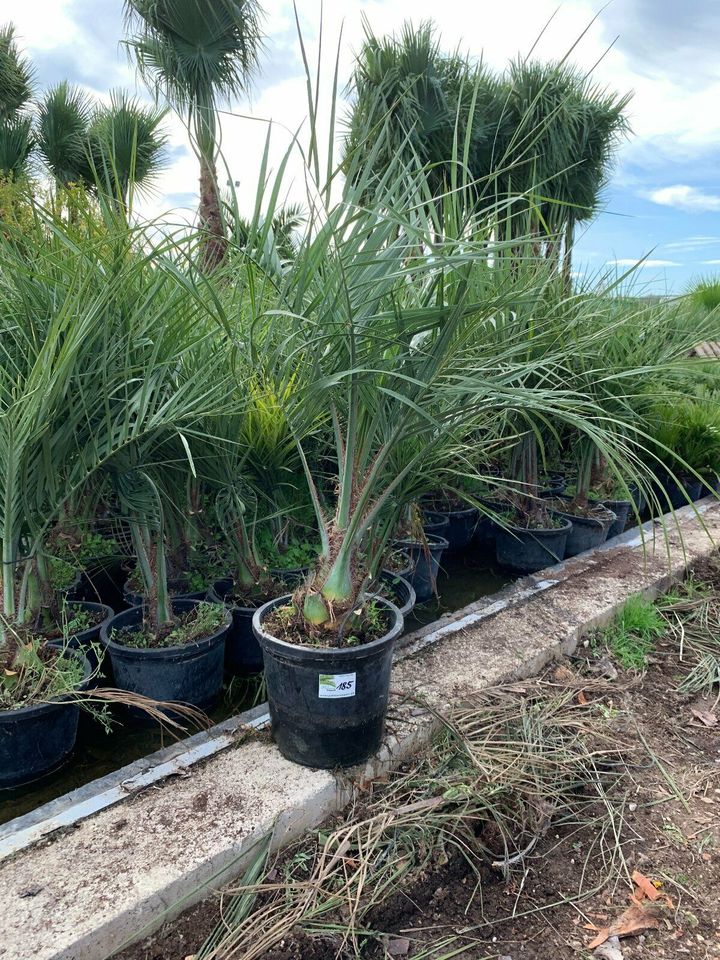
(16, 88)
(198, 53)
(564, 130)
(63, 125)
(16, 75)
(127, 145)
(16, 144)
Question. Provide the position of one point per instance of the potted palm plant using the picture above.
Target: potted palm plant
(167, 649)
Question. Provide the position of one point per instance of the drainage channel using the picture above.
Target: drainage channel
(469, 593)
(114, 764)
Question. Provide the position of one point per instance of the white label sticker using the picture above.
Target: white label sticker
(335, 685)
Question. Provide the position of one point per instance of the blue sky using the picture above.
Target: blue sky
(663, 202)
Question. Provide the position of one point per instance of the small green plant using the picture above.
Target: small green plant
(632, 636)
(201, 622)
(37, 673)
(706, 293)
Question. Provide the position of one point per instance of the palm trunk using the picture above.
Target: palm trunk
(211, 220)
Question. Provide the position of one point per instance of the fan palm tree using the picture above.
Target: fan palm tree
(127, 145)
(414, 99)
(63, 125)
(16, 87)
(564, 133)
(16, 144)
(16, 76)
(198, 53)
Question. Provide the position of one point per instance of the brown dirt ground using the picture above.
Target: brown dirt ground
(670, 831)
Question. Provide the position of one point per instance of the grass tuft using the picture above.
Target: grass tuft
(632, 635)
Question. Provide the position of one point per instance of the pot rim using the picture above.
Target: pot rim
(509, 527)
(299, 652)
(159, 653)
(433, 539)
(452, 512)
(591, 521)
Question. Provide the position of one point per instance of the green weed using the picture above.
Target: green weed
(633, 634)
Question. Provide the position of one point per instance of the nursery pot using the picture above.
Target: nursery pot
(679, 491)
(525, 551)
(426, 563)
(621, 509)
(36, 740)
(243, 655)
(398, 589)
(192, 673)
(436, 525)
(86, 638)
(103, 580)
(175, 589)
(327, 705)
(586, 532)
(460, 526)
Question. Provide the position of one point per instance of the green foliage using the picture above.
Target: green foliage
(705, 293)
(633, 634)
(36, 674)
(63, 124)
(203, 621)
(690, 429)
(16, 144)
(16, 76)
(126, 143)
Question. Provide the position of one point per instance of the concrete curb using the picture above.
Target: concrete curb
(121, 870)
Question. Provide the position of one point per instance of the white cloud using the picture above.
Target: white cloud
(684, 197)
(711, 263)
(629, 262)
(692, 243)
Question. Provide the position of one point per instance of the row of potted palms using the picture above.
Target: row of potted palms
(406, 355)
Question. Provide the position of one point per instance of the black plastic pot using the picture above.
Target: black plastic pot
(621, 509)
(426, 563)
(87, 638)
(103, 581)
(36, 740)
(679, 491)
(327, 705)
(486, 527)
(191, 674)
(398, 589)
(460, 527)
(177, 588)
(436, 526)
(527, 551)
(243, 655)
(554, 482)
(586, 532)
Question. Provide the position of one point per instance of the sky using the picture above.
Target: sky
(662, 206)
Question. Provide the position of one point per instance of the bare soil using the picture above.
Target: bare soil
(669, 828)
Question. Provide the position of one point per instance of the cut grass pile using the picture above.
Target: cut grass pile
(503, 768)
